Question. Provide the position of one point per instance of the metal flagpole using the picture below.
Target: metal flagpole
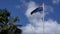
(43, 18)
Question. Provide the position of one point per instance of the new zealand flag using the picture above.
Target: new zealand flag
(37, 9)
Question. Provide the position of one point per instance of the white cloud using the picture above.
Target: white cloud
(23, 4)
(48, 9)
(36, 23)
(56, 1)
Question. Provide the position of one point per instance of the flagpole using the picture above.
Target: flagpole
(43, 18)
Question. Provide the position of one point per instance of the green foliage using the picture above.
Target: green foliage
(4, 14)
(5, 27)
(14, 19)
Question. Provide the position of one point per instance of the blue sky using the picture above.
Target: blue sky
(21, 7)
(55, 15)
(12, 6)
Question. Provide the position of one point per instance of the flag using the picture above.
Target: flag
(40, 8)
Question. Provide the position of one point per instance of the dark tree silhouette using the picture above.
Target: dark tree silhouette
(6, 23)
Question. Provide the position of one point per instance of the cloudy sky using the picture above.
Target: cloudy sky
(33, 24)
